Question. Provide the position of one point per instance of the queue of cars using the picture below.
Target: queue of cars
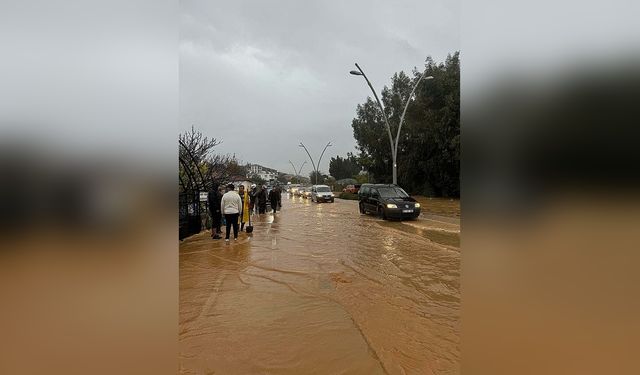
(299, 191)
(387, 201)
(316, 193)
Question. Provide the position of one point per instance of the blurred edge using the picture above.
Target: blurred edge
(550, 182)
(550, 204)
(88, 122)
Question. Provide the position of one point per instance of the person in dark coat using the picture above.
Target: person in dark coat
(213, 199)
(274, 198)
(279, 197)
(252, 198)
(262, 200)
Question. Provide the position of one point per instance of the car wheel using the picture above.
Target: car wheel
(361, 207)
(381, 213)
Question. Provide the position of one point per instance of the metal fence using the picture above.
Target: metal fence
(192, 213)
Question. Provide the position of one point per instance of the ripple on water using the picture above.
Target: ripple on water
(321, 288)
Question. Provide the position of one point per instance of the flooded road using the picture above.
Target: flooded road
(321, 289)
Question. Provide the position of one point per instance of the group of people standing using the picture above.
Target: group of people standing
(258, 199)
(236, 207)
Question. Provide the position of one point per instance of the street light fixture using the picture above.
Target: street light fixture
(297, 173)
(394, 144)
(315, 167)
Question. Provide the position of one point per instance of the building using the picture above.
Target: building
(264, 173)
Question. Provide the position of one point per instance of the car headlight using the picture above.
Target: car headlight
(332, 194)
(391, 205)
(417, 205)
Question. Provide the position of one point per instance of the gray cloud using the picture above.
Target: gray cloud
(263, 76)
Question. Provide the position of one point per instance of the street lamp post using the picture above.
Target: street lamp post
(315, 167)
(394, 144)
(297, 173)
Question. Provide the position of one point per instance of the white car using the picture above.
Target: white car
(321, 193)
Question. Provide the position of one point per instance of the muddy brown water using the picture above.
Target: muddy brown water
(321, 289)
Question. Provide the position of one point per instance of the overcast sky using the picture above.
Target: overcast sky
(263, 76)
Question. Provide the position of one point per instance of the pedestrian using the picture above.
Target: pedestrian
(279, 197)
(231, 205)
(241, 194)
(262, 200)
(274, 199)
(252, 198)
(213, 199)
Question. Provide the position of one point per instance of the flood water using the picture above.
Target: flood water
(321, 289)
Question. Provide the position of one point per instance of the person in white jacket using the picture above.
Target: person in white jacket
(231, 205)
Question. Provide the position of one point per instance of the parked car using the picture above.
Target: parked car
(321, 193)
(300, 192)
(388, 201)
(353, 189)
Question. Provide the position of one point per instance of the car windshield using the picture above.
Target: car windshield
(323, 189)
(392, 192)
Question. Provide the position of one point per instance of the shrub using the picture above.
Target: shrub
(349, 196)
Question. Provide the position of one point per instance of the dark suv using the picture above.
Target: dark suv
(388, 201)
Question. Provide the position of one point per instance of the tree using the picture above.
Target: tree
(321, 178)
(193, 151)
(429, 145)
(199, 168)
(330, 180)
(224, 168)
(257, 180)
(341, 168)
(282, 178)
(362, 178)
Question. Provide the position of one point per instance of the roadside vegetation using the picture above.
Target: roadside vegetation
(439, 206)
(429, 145)
(348, 196)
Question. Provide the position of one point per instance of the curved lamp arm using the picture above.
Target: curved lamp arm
(325, 148)
(384, 114)
(310, 158)
(407, 106)
(294, 168)
(300, 170)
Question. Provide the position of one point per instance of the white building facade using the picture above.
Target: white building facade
(263, 172)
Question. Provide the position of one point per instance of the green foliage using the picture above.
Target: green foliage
(322, 179)
(348, 196)
(341, 168)
(429, 145)
(362, 178)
